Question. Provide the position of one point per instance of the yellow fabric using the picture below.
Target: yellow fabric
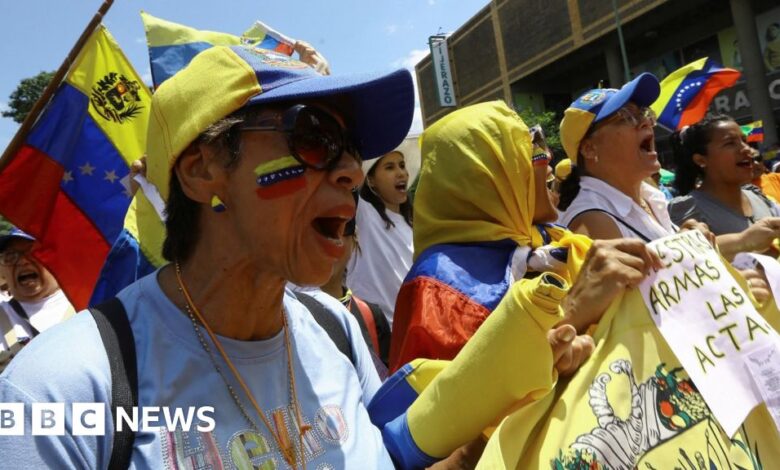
(574, 126)
(124, 123)
(147, 228)
(563, 169)
(493, 371)
(671, 83)
(166, 33)
(477, 184)
(425, 370)
(629, 398)
(214, 84)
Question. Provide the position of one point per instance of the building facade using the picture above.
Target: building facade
(540, 54)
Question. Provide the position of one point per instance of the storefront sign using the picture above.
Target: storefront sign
(441, 67)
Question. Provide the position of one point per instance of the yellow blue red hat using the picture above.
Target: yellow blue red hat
(224, 79)
(600, 103)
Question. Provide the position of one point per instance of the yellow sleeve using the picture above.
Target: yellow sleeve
(508, 359)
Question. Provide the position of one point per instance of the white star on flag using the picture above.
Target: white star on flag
(86, 169)
(67, 177)
(111, 176)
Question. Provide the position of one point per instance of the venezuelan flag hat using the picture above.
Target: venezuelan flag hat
(600, 103)
(224, 79)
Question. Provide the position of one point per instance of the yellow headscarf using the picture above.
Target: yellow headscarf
(477, 183)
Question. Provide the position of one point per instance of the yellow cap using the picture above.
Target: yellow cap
(563, 169)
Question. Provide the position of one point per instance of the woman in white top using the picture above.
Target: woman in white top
(384, 229)
(608, 135)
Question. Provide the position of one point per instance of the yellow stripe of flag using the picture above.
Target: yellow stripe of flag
(119, 101)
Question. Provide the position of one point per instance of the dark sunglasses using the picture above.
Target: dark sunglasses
(315, 137)
(11, 257)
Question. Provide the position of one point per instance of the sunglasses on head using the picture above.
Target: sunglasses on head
(315, 138)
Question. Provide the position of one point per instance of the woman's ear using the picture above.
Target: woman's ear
(200, 172)
(700, 160)
(588, 150)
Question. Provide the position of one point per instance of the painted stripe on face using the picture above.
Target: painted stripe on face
(280, 177)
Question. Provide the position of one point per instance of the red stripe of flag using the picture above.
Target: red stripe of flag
(52, 218)
(695, 111)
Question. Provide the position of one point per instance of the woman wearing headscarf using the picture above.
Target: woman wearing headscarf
(479, 200)
(480, 193)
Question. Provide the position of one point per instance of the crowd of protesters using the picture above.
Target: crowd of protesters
(301, 275)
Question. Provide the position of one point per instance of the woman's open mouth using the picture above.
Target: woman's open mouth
(401, 186)
(27, 278)
(331, 234)
(647, 146)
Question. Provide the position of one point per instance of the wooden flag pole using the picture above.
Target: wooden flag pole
(48, 92)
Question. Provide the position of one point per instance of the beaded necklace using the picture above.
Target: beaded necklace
(281, 437)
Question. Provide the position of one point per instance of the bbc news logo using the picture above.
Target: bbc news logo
(89, 419)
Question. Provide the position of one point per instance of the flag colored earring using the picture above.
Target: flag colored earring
(216, 204)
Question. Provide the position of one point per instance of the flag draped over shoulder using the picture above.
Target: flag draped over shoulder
(172, 46)
(754, 131)
(687, 92)
(68, 183)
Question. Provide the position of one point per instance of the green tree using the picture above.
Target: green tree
(550, 124)
(26, 94)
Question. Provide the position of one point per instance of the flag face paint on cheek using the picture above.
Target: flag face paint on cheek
(279, 177)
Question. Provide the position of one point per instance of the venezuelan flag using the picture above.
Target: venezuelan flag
(67, 184)
(754, 131)
(687, 92)
(172, 46)
(138, 248)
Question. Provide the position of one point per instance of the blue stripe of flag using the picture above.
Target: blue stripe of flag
(92, 165)
(167, 60)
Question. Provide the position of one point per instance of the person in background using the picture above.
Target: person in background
(37, 302)
(384, 224)
(370, 317)
(772, 47)
(714, 152)
(768, 183)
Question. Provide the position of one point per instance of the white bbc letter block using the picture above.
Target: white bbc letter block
(48, 419)
(11, 419)
(89, 419)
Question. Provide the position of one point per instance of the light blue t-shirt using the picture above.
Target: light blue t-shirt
(68, 364)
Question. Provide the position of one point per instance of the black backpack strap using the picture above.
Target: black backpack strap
(329, 323)
(118, 340)
(617, 219)
(23, 314)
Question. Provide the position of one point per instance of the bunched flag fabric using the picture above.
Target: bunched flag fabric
(754, 131)
(67, 185)
(688, 91)
(172, 46)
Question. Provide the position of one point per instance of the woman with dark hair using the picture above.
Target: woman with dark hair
(714, 152)
(384, 225)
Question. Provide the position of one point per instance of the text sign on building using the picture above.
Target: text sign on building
(441, 67)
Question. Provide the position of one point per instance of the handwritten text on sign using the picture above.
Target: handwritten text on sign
(708, 322)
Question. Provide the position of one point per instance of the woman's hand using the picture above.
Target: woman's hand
(757, 238)
(308, 55)
(138, 167)
(610, 267)
(693, 224)
(569, 350)
(757, 283)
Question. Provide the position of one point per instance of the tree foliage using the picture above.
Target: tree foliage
(550, 124)
(26, 94)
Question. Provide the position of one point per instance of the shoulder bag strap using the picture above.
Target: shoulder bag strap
(23, 314)
(118, 340)
(618, 220)
(329, 323)
(368, 318)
